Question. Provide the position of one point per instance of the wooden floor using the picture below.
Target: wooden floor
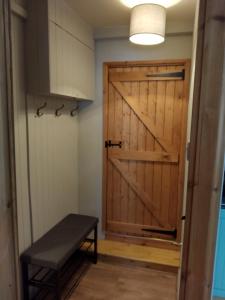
(111, 281)
(167, 258)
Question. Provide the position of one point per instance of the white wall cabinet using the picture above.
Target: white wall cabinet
(60, 51)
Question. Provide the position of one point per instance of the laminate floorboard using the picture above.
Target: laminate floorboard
(110, 281)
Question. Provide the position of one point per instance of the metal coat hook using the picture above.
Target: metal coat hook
(39, 113)
(57, 112)
(74, 111)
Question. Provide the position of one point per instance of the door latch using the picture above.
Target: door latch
(109, 144)
(188, 151)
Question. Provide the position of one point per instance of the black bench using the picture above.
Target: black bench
(54, 250)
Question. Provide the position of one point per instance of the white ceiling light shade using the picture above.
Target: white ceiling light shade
(164, 3)
(148, 23)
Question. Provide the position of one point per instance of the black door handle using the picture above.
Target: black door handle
(109, 144)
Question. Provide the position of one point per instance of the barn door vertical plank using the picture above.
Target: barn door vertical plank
(125, 146)
(160, 115)
(174, 173)
(117, 137)
(168, 128)
(138, 204)
(149, 169)
(133, 146)
(115, 173)
(110, 166)
(142, 132)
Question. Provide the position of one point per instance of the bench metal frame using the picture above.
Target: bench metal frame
(54, 277)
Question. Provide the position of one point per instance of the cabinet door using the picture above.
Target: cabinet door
(83, 70)
(67, 18)
(219, 278)
(71, 65)
(60, 51)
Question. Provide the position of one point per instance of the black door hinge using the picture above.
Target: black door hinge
(172, 233)
(179, 74)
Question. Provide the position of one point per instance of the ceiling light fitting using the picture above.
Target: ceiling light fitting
(148, 20)
(164, 3)
(147, 26)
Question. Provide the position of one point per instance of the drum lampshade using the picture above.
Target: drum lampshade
(147, 25)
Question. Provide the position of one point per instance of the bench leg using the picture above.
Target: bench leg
(25, 277)
(96, 244)
(58, 289)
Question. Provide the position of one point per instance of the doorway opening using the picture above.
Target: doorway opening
(145, 132)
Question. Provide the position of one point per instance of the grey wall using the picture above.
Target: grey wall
(91, 120)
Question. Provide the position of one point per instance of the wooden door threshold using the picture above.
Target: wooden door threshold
(151, 257)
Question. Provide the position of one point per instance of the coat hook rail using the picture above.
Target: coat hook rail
(39, 113)
(74, 111)
(57, 112)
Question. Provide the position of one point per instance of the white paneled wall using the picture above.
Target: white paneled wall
(46, 153)
(53, 143)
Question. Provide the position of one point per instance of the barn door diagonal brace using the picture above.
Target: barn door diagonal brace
(148, 123)
(151, 207)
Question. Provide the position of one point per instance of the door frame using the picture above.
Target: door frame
(206, 166)
(10, 134)
(121, 64)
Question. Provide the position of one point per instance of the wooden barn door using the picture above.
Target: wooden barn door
(145, 140)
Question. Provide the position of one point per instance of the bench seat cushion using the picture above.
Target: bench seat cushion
(57, 245)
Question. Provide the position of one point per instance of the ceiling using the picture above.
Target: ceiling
(112, 13)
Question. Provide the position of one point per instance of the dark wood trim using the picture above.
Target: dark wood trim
(207, 154)
(145, 63)
(12, 204)
(183, 157)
